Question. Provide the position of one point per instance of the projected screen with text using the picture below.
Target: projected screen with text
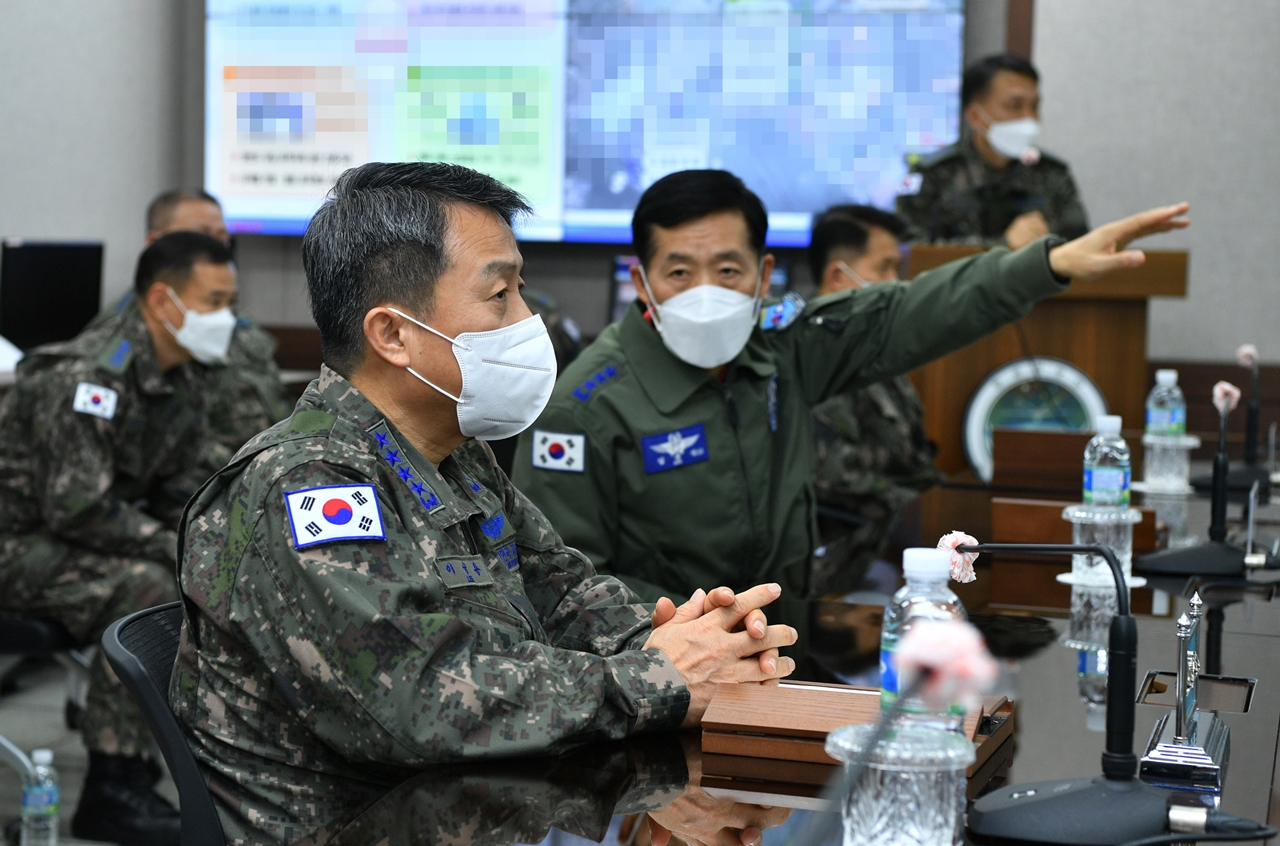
(578, 104)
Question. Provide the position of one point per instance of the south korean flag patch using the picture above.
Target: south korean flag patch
(96, 400)
(558, 451)
(334, 513)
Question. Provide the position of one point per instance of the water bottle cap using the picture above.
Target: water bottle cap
(1109, 424)
(1167, 378)
(926, 563)
(42, 757)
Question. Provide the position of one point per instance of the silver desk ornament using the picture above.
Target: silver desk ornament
(1190, 745)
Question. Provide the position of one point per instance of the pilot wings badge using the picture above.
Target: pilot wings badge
(669, 450)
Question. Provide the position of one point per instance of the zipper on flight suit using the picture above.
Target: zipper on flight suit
(732, 410)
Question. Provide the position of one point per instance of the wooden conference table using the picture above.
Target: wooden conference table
(592, 794)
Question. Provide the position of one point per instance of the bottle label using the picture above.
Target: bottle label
(888, 679)
(1106, 485)
(1166, 421)
(40, 800)
(889, 691)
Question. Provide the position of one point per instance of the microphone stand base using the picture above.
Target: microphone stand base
(1077, 812)
(1211, 558)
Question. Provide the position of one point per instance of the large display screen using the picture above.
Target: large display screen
(578, 104)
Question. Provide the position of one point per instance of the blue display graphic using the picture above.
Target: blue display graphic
(579, 104)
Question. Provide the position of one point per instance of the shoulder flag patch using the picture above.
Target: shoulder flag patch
(910, 185)
(558, 451)
(96, 400)
(334, 513)
(783, 313)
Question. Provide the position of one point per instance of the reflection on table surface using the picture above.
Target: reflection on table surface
(593, 793)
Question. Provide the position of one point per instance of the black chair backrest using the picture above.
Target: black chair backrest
(26, 636)
(141, 649)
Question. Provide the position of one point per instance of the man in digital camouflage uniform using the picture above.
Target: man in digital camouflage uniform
(366, 592)
(99, 441)
(873, 456)
(670, 472)
(245, 392)
(994, 186)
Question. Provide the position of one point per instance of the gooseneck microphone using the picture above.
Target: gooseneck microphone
(1115, 808)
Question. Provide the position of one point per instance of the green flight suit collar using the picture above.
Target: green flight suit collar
(667, 380)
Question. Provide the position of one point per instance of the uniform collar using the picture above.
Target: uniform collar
(667, 380)
(146, 366)
(380, 435)
(345, 400)
(976, 162)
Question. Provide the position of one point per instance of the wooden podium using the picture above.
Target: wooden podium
(1100, 326)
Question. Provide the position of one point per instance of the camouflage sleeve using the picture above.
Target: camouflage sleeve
(1065, 210)
(75, 472)
(579, 608)
(388, 664)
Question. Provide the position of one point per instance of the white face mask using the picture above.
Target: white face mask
(1014, 139)
(507, 377)
(708, 325)
(205, 335)
(858, 281)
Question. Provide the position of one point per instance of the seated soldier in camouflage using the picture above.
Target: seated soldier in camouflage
(245, 392)
(873, 456)
(994, 186)
(99, 443)
(366, 593)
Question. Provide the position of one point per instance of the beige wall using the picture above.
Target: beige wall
(91, 120)
(1155, 101)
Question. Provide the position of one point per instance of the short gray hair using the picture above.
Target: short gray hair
(380, 238)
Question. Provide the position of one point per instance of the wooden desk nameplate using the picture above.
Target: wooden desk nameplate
(768, 741)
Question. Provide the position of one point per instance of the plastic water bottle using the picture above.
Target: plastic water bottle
(1168, 453)
(1106, 466)
(1091, 678)
(40, 797)
(925, 596)
(1166, 406)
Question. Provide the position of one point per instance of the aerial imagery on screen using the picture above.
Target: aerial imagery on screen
(578, 104)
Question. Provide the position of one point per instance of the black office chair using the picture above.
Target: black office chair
(33, 638)
(40, 638)
(141, 649)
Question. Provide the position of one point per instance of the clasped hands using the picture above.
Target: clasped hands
(721, 638)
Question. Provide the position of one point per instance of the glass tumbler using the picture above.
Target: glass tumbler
(911, 792)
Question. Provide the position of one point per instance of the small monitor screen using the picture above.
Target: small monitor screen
(578, 104)
(48, 291)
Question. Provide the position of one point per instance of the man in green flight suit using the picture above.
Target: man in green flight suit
(99, 445)
(677, 450)
(874, 457)
(245, 392)
(366, 592)
(994, 186)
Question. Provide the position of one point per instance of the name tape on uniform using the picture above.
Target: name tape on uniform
(334, 513)
(558, 451)
(96, 400)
